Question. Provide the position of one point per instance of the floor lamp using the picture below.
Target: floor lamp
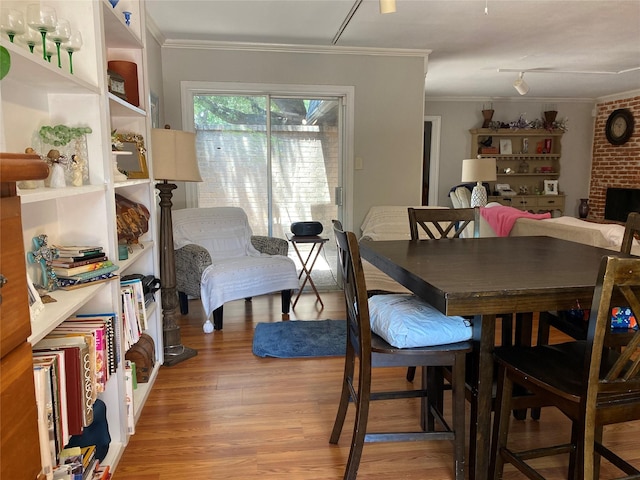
(479, 170)
(173, 159)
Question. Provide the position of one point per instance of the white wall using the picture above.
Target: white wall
(389, 101)
(459, 116)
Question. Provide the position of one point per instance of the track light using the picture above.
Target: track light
(387, 6)
(520, 85)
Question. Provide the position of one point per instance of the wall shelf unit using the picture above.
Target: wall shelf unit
(533, 156)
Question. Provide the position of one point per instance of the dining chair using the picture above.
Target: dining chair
(370, 350)
(572, 322)
(591, 383)
(438, 223)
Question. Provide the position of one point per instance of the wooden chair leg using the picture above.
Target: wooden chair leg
(345, 396)
(435, 396)
(217, 318)
(183, 302)
(500, 424)
(360, 425)
(458, 401)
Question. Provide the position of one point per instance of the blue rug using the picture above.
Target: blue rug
(300, 338)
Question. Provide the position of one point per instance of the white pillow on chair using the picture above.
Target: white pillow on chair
(406, 321)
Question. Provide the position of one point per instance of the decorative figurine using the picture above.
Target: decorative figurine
(43, 255)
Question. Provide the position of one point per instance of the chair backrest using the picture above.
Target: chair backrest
(611, 370)
(355, 290)
(443, 223)
(631, 231)
(223, 231)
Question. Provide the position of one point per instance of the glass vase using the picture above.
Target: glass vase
(583, 208)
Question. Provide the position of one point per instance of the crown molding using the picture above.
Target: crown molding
(286, 48)
(618, 96)
(155, 32)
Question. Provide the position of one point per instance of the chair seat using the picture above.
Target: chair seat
(555, 365)
(405, 321)
(248, 276)
(559, 368)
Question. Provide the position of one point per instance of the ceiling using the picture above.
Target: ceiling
(550, 40)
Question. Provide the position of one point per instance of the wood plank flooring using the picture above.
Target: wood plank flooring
(229, 415)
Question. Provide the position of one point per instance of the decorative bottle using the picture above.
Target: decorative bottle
(583, 208)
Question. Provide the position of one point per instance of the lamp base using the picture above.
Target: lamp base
(176, 354)
(478, 196)
(174, 351)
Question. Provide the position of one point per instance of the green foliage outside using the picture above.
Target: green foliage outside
(247, 110)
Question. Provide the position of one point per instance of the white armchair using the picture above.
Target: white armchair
(217, 260)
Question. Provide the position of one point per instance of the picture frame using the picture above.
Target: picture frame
(551, 187)
(35, 303)
(505, 146)
(135, 165)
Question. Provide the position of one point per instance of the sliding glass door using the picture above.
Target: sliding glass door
(277, 157)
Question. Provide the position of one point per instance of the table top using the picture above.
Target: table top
(491, 275)
(306, 238)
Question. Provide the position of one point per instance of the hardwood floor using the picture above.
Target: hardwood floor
(227, 414)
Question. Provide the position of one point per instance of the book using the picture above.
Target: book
(73, 284)
(89, 267)
(98, 329)
(109, 320)
(88, 275)
(70, 262)
(56, 359)
(76, 250)
(128, 381)
(138, 298)
(87, 388)
(43, 394)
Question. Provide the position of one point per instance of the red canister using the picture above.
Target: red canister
(128, 71)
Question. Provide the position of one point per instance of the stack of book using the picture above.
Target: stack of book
(71, 366)
(77, 265)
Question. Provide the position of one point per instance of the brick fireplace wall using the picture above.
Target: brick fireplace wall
(613, 166)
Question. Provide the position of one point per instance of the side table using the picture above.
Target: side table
(317, 242)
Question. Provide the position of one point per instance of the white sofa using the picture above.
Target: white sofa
(392, 223)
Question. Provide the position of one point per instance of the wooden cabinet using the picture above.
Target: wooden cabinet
(35, 93)
(19, 450)
(525, 159)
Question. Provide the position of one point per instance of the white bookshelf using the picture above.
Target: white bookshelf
(37, 93)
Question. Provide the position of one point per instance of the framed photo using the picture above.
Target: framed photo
(134, 165)
(154, 105)
(35, 303)
(551, 187)
(505, 146)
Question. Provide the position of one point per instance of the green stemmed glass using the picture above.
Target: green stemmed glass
(60, 35)
(73, 45)
(30, 38)
(11, 22)
(43, 19)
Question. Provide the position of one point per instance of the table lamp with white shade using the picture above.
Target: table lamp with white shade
(479, 170)
(173, 159)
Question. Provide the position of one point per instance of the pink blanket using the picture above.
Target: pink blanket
(502, 218)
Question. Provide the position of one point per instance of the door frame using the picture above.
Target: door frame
(189, 89)
(434, 165)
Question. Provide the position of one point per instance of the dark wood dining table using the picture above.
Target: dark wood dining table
(485, 277)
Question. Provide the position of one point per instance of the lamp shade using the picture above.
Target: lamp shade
(174, 155)
(387, 6)
(479, 170)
